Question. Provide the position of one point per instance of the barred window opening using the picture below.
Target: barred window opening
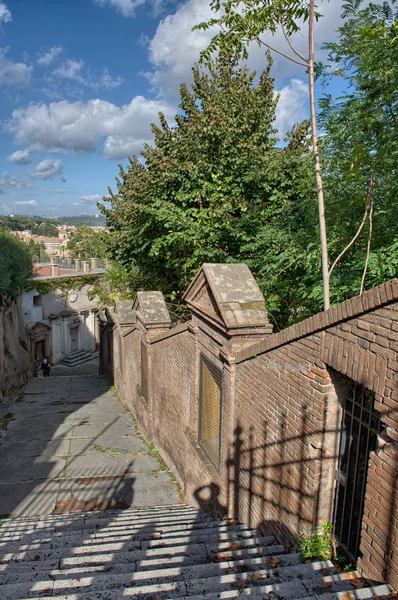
(210, 411)
(144, 371)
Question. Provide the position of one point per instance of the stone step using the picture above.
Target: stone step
(261, 578)
(284, 591)
(94, 525)
(144, 539)
(157, 554)
(100, 516)
(153, 548)
(69, 536)
(160, 571)
(77, 358)
(211, 578)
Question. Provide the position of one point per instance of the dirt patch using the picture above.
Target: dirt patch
(91, 480)
(77, 505)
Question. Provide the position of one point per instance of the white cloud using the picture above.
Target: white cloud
(47, 58)
(26, 202)
(5, 15)
(48, 169)
(13, 74)
(171, 66)
(90, 198)
(73, 70)
(70, 70)
(12, 182)
(124, 7)
(20, 157)
(56, 191)
(291, 107)
(80, 127)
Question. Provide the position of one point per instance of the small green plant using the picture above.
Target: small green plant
(319, 546)
(113, 452)
(4, 421)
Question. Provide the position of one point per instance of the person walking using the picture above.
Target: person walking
(45, 367)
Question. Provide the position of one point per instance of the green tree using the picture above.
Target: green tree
(216, 188)
(244, 21)
(16, 223)
(45, 228)
(15, 264)
(88, 243)
(360, 147)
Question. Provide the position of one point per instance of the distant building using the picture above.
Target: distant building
(62, 326)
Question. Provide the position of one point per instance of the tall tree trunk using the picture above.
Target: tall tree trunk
(317, 166)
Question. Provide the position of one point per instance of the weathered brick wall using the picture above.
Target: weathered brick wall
(288, 398)
(281, 420)
(279, 416)
(172, 358)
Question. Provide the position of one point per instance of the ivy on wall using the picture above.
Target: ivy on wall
(65, 284)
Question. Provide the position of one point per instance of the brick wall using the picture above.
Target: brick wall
(281, 418)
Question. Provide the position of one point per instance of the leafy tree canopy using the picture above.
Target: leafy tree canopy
(216, 188)
(15, 264)
(361, 141)
(88, 243)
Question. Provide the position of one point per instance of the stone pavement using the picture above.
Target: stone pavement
(88, 368)
(68, 444)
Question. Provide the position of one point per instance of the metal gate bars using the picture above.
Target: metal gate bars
(210, 410)
(360, 427)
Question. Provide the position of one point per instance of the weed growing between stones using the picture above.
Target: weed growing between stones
(4, 421)
(113, 452)
(321, 545)
(151, 449)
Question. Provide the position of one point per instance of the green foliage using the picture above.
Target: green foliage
(36, 225)
(62, 283)
(216, 188)
(88, 243)
(319, 546)
(15, 264)
(117, 283)
(241, 22)
(46, 228)
(361, 137)
(16, 223)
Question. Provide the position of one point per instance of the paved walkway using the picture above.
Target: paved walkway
(88, 368)
(70, 445)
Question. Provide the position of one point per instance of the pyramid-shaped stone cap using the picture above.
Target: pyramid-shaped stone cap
(151, 308)
(229, 294)
(125, 313)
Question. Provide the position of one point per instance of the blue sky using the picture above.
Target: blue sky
(81, 81)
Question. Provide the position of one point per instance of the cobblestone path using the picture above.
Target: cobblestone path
(67, 444)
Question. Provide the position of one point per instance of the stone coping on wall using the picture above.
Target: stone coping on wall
(170, 332)
(151, 309)
(68, 275)
(368, 301)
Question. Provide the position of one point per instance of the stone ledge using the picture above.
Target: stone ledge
(369, 301)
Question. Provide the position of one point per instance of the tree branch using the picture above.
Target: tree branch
(369, 242)
(287, 38)
(369, 203)
(283, 54)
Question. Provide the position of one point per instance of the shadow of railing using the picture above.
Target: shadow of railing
(275, 485)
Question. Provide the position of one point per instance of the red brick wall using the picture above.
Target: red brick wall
(172, 360)
(281, 418)
(288, 406)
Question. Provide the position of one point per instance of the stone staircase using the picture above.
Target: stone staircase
(158, 553)
(77, 358)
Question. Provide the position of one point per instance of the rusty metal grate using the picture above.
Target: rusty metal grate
(361, 424)
(210, 410)
(144, 371)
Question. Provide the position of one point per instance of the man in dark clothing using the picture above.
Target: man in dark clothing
(45, 367)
